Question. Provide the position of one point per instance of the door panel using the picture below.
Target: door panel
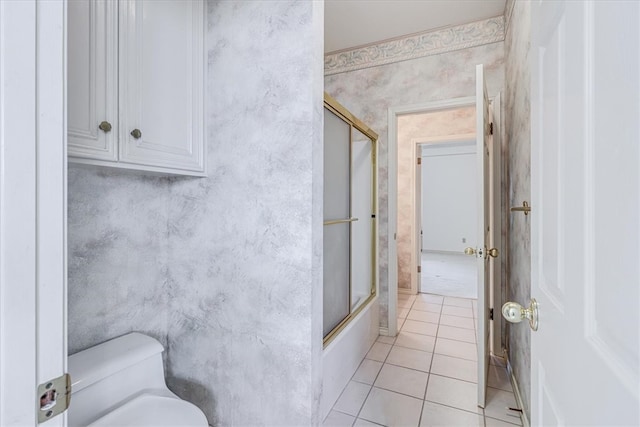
(93, 71)
(585, 225)
(32, 206)
(483, 137)
(161, 76)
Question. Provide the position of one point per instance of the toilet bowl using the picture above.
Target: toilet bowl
(121, 383)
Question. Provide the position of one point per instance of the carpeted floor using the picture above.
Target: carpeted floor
(453, 275)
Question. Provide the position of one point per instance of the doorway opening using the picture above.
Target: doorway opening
(404, 262)
(446, 212)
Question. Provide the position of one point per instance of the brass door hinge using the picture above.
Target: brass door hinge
(53, 397)
(419, 160)
(419, 269)
(491, 314)
(491, 128)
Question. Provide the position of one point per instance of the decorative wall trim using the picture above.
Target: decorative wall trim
(516, 392)
(417, 46)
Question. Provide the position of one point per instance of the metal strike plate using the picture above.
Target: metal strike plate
(54, 397)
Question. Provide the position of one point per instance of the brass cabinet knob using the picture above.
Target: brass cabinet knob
(469, 251)
(136, 133)
(493, 252)
(105, 126)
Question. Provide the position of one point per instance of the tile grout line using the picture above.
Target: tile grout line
(430, 366)
(377, 375)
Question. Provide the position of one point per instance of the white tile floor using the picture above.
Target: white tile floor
(427, 375)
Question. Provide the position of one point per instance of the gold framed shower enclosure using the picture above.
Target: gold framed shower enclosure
(336, 316)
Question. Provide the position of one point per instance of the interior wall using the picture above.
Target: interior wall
(518, 139)
(459, 121)
(225, 270)
(117, 255)
(449, 199)
(369, 93)
(245, 329)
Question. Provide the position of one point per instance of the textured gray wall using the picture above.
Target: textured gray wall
(368, 93)
(117, 255)
(518, 139)
(226, 270)
(245, 332)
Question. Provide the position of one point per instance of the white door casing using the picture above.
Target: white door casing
(392, 276)
(416, 264)
(585, 199)
(32, 205)
(392, 247)
(483, 142)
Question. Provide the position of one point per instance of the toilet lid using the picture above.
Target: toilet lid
(151, 410)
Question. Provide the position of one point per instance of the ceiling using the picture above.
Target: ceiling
(353, 23)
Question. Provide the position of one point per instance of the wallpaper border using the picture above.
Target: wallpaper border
(419, 45)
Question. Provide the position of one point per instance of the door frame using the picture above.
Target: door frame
(392, 277)
(416, 221)
(33, 343)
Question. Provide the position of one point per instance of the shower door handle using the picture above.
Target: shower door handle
(340, 221)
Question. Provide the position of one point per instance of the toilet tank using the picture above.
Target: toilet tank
(109, 374)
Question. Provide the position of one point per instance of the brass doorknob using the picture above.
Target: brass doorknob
(105, 126)
(515, 313)
(136, 133)
(493, 252)
(469, 251)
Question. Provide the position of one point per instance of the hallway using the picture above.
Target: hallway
(427, 375)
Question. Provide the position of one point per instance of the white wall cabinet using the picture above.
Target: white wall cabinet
(136, 84)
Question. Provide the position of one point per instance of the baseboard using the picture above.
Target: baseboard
(516, 392)
(384, 332)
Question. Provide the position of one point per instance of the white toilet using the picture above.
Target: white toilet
(121, 383)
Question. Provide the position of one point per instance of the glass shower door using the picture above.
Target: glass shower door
(337, 215)
(349, 217)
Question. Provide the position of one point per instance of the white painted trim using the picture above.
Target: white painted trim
(17, 212)
(392, 223)
(384, 332)
(51, 186)
(32, 205)
(516, 392)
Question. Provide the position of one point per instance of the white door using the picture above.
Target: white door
(32, 206)
(417, 215)
(585, 229)
(483, 142)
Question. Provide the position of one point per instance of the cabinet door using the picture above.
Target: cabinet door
(92, 73)
(162, 84)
